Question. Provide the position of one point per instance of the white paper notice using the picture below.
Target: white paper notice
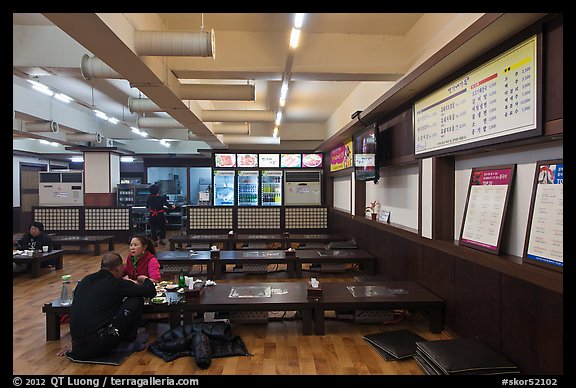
(484, 216)
(546, 233)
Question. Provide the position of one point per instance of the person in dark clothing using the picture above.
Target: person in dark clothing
(34, 239)
(156, 205)
(106, 309)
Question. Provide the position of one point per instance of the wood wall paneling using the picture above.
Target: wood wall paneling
(532, 327)
(100, 199)
(443, 198)
(405, 259)
(553, 70)
(476, 303)
(438, 277)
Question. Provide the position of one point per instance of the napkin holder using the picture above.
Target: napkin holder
(195, 293)
(313, 293)
(215, 255)
(290, 253)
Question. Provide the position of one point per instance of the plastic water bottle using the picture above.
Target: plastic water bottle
(66, 295)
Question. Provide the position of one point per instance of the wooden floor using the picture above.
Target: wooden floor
(277, 347)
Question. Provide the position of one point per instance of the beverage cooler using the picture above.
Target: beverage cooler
(247, 188)
(271, 188)
(224, 188)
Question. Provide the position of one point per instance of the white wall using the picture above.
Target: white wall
(519, 205)
(342, 193)
(397, 192)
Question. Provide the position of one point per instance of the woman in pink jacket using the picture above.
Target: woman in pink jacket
(142, 260)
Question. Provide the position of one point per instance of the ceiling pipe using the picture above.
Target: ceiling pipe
(231, 129)
(93, 137)
(239, 139)
(158, 122)
(42, 126)
(187, 44)
(217, 92)
(237, 115)
(94, 67)
(142, 105)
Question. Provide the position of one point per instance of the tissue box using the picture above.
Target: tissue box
(286, 234)
(195, 293)
(314, 293)
(290, 253)
(214, 255)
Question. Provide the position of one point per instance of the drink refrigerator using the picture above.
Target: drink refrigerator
(224, 188)
(247, 188)
(271, 188)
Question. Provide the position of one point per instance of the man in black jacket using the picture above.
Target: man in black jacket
(106, 310)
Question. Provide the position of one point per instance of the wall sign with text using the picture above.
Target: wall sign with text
(496, 99)
(544, 236)
(486, 205)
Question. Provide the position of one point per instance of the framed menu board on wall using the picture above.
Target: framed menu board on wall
(544, 234)
(486, 206)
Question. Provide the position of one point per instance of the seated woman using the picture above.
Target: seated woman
(142, 260)
(34, 239)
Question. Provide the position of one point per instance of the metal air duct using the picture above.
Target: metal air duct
(239, 139)
(158, 122)
(160, 43)
(42, 126)
(234, 129)
(217, 92)
(93, 137)
(237, 115)
(95, 68)
(142, 105)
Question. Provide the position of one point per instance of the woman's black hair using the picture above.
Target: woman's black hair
(154, 189)
(38, 225)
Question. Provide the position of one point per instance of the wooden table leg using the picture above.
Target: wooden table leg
(52, 325)
(111, 245)
(318, 321)
(96, 249)
(436, 324)
(59, 262)
(306, 321)
(35, 268)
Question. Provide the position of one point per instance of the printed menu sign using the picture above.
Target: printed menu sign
(341, 157)
(546, 242)
(290, 160)
(269, 160)
(496, 99)
(485, 208)
(311, 160)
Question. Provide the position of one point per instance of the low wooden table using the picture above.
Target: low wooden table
(401, 295)
(340, 256)
(59, 241)
(187, 258)
(184, 239)
(254, 257)
(39, 258)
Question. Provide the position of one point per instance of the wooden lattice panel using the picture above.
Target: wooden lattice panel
(306, 218)
(107, 219)
(209, 218)
(55, 218)
(258, 218)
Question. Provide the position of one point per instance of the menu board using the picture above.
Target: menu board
(247, 160)
(494, 100)
(545, 241)
(269, 160)
(341, 157)
(225, 160)
(486, 206)
(312, 160)
(290, 160)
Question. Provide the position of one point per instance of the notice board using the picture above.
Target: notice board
(486, 206)
(544, 244)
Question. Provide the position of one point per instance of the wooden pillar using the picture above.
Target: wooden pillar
(101, 177)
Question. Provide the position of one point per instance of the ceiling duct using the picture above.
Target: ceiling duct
(94, 67)
(158, 122)
(231, 129)
(239, 139)
(237, 115)
(42, 126)
(142, 105)
(217, 92)
(186, 44)
(93, 137)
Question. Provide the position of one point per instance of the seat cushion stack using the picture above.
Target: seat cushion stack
(394, 345)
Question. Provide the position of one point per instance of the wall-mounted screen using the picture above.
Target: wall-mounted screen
(225, 160)
(365, 154)
(312, 160)
(269, 160)
(247, 160)
(290, 160)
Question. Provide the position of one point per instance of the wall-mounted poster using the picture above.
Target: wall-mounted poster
(544, 236)
(341, 157)
(247, 160)
(269, 160)
(312, 160)
(225, 160)
(486, 205)
(290, 160)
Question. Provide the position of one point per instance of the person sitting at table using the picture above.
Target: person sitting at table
(34, 239)
(105, 311)
(142, 260)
